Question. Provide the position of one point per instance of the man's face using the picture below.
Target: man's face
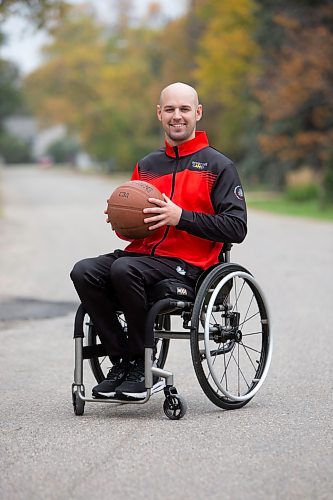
(179, 112)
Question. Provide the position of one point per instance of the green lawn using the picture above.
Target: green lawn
(279, 205)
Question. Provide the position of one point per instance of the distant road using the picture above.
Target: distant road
(278, 447)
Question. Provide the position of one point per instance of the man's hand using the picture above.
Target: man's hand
(166, 213)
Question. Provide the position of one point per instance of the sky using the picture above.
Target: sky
(23, 43)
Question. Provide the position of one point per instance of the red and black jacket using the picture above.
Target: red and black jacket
(205, 184)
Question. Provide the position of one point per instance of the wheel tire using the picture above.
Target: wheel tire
(99, 365)
(162, 345)
(217, 363)
(78, 404)
(174, 407)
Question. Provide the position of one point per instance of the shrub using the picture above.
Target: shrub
(63, 150)
(13, 149)
(303, 192)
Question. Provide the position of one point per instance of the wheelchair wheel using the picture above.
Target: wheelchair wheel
(101, 365)
(174, 406)
(78, 403)
(163, 322)
(231, 344)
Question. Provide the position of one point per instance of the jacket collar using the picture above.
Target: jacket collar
(200, 141)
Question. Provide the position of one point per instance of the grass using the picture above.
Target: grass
(278, 204)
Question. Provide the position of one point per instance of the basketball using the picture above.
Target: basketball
(125, 207)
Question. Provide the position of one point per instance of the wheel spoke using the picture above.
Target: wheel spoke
(248, 319)
(102, 360)
(251, 348)
(245, 349)
(237, 295)
(226, 367)
(240, 370)
(225, 372)
(252, 333)
(238, 378)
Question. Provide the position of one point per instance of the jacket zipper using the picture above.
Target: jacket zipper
(175, 148)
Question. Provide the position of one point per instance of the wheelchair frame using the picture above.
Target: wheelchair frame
(227, 323)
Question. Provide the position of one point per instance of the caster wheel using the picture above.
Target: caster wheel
(78, 404)
(174, 406)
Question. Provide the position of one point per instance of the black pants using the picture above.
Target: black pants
(118, 281)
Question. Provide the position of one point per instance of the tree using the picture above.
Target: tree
(12, 149)
(225, 63)
(100, 84)
(295, 89)
(10, 94)
(41, 13)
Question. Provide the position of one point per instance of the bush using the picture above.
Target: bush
(328, 181)
(303, 192)
(14, 150)
(63, 150)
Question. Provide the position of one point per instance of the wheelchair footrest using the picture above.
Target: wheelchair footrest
(93, 351)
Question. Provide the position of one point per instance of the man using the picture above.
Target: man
(203, 207)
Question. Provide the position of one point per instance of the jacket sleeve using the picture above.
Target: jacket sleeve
(229, 223)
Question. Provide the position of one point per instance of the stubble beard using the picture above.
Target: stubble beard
(179, 137)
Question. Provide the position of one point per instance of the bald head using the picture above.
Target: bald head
(179, 111)
(181, 91)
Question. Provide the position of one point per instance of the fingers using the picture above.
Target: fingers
(157, 226)
(159, 212)
(156, 221)
(157, 201)
(155, 218)
(164, 213)
(160, 205)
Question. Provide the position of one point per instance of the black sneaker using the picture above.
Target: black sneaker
(134, 384)
(114, 378)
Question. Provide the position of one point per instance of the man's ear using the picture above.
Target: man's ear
(198, 112)
(159, 112)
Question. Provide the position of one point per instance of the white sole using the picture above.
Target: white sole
(141, 395)
(106, 394)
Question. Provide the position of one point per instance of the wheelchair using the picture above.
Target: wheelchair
(227, 322)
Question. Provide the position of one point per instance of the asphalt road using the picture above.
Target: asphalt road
(279, 446)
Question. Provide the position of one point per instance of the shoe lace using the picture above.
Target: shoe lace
(137, 370)
(115, 370)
